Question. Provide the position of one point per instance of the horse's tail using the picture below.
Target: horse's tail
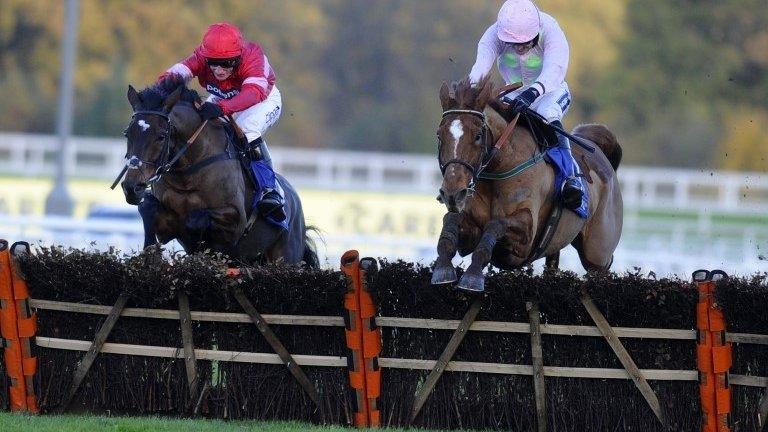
(605, 139)
(310, 249)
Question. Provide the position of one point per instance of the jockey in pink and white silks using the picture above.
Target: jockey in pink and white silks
(530, 47)
(241, 82)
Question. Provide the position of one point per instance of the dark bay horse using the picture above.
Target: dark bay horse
(504, 220)
(194, 170)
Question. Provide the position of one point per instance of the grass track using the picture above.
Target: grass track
(53, 423)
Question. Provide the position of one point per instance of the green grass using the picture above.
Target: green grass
(54, 423)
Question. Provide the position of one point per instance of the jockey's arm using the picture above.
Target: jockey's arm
(487, 52)
(556, 56)
(187, 69)
(250, 95)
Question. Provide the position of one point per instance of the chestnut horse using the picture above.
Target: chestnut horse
(204, 196)
(501, 198)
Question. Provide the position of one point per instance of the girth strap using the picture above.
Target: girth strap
(547, 234)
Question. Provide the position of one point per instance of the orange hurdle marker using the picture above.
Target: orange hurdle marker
(713, 354)
(363, 340)
(12, 354)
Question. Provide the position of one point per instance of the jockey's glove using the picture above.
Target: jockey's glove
(524, 100)
(210, 110)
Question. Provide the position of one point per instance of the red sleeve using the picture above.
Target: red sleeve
(188, 68)
(250, 95)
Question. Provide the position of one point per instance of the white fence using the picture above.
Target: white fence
(642, 187)
(664, 254)
(663, 244)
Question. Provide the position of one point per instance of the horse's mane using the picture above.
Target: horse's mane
(467, 93)
(152, 97)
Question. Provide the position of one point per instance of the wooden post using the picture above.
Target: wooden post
(185, 319)
(278, 346)
(445, 357)
(95, 348)
(624, 357)
(538, 366)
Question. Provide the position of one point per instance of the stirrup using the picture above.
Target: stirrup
(270, 205)
(571, 194)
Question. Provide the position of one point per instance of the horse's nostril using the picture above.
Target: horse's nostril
(139, 188)
(441, 196)
(462, 195)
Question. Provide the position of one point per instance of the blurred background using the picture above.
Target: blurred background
(684, 85)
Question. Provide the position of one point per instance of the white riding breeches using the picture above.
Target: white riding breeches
(255, 121)
(552, 105)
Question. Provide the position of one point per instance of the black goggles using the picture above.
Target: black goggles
(224, 63)
(528, 44)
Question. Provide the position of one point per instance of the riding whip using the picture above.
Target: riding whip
(560, 130)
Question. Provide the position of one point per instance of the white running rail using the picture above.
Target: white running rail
(643, 187)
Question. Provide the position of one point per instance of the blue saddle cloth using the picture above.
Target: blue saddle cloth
(564, 163)
(265, 178)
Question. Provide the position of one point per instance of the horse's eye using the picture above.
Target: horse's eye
(478, 137)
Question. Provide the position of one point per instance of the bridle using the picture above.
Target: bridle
(164, 162)
(489, 151)
(485, 158)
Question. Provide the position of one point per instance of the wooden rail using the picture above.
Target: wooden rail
(390, 363)
(393, 363)
(415, 323)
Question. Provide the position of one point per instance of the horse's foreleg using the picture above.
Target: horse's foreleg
(224, 229)
(149, 207)
(553, 261)
(473, 279)
(444, 272)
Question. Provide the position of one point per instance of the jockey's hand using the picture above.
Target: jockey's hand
(210, 110)
(524, 100)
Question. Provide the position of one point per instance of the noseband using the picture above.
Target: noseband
(489, 151)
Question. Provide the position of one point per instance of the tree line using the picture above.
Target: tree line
(682, 83)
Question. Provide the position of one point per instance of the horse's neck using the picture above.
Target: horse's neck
(519, 148)
(205, 146)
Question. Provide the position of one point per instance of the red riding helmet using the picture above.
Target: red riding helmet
(222, 41)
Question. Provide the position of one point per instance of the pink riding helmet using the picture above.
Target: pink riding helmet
(518, 21)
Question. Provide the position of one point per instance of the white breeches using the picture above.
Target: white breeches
(255, 121)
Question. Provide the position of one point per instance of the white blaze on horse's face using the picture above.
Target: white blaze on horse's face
(457, 130)
(144, 125)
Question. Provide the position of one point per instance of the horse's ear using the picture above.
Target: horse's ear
(172, 99)
(445, 97)
(133, 98)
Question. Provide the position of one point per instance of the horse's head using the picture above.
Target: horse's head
(465, 142)
(159, 121)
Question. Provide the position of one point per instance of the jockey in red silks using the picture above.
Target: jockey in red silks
(530, 47)
(241, 82)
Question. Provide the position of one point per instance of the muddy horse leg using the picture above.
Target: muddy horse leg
(595, 255)
(552, 262)
(149, 207)
(473, 279)
(217, 226)
(444, 272)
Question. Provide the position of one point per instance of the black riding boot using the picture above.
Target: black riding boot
(271, 204)
(571, 191)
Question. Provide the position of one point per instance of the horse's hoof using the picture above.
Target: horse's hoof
(472, 283)
(444, 275)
